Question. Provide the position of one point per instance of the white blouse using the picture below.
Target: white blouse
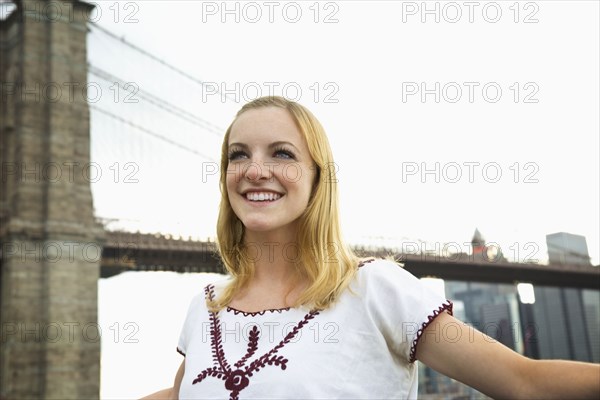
(363, 347)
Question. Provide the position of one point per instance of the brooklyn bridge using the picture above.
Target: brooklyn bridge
(125, 251)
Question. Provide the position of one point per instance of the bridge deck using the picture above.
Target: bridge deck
(125, 251)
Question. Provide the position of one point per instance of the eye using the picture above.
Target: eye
(284, 152)
(235, 154)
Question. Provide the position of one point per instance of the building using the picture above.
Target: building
(567, 249)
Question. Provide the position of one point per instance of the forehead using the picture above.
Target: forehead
(266, 123)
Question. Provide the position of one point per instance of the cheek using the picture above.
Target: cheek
(232, 178)
(294, 175)
(307, 183)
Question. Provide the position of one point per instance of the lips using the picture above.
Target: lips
(261, 196)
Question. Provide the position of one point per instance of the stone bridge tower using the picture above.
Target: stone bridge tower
(49, 264)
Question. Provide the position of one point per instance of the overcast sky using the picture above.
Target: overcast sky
(497, 100)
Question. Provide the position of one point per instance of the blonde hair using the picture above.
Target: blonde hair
(324, 259)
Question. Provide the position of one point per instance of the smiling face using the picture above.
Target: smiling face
(270, 173)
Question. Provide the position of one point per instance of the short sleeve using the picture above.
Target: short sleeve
(190, 323)
(401, 305)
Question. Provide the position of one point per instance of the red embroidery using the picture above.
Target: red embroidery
(365, 262)
(238, 379)
(180, 352)
(253, 314)
(444, 307)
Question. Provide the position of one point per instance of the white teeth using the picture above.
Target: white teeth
(262, 196)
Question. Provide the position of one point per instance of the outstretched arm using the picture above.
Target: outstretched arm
(456, 350)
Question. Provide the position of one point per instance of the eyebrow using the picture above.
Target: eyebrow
(274, 144)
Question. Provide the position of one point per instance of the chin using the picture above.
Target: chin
(263, 226)
(258, 226)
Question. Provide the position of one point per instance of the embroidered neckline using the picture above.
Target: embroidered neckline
(447, 306)
(255, 313)
(276, 310)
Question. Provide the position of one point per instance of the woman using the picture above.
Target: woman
(302, 316)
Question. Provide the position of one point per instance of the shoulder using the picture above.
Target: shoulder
(379, 270)
(379, 279)
(216, 286)
(384, 282)
(209, 291)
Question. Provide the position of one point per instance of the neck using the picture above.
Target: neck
(274, 255)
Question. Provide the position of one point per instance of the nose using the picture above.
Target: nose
(258, 170)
